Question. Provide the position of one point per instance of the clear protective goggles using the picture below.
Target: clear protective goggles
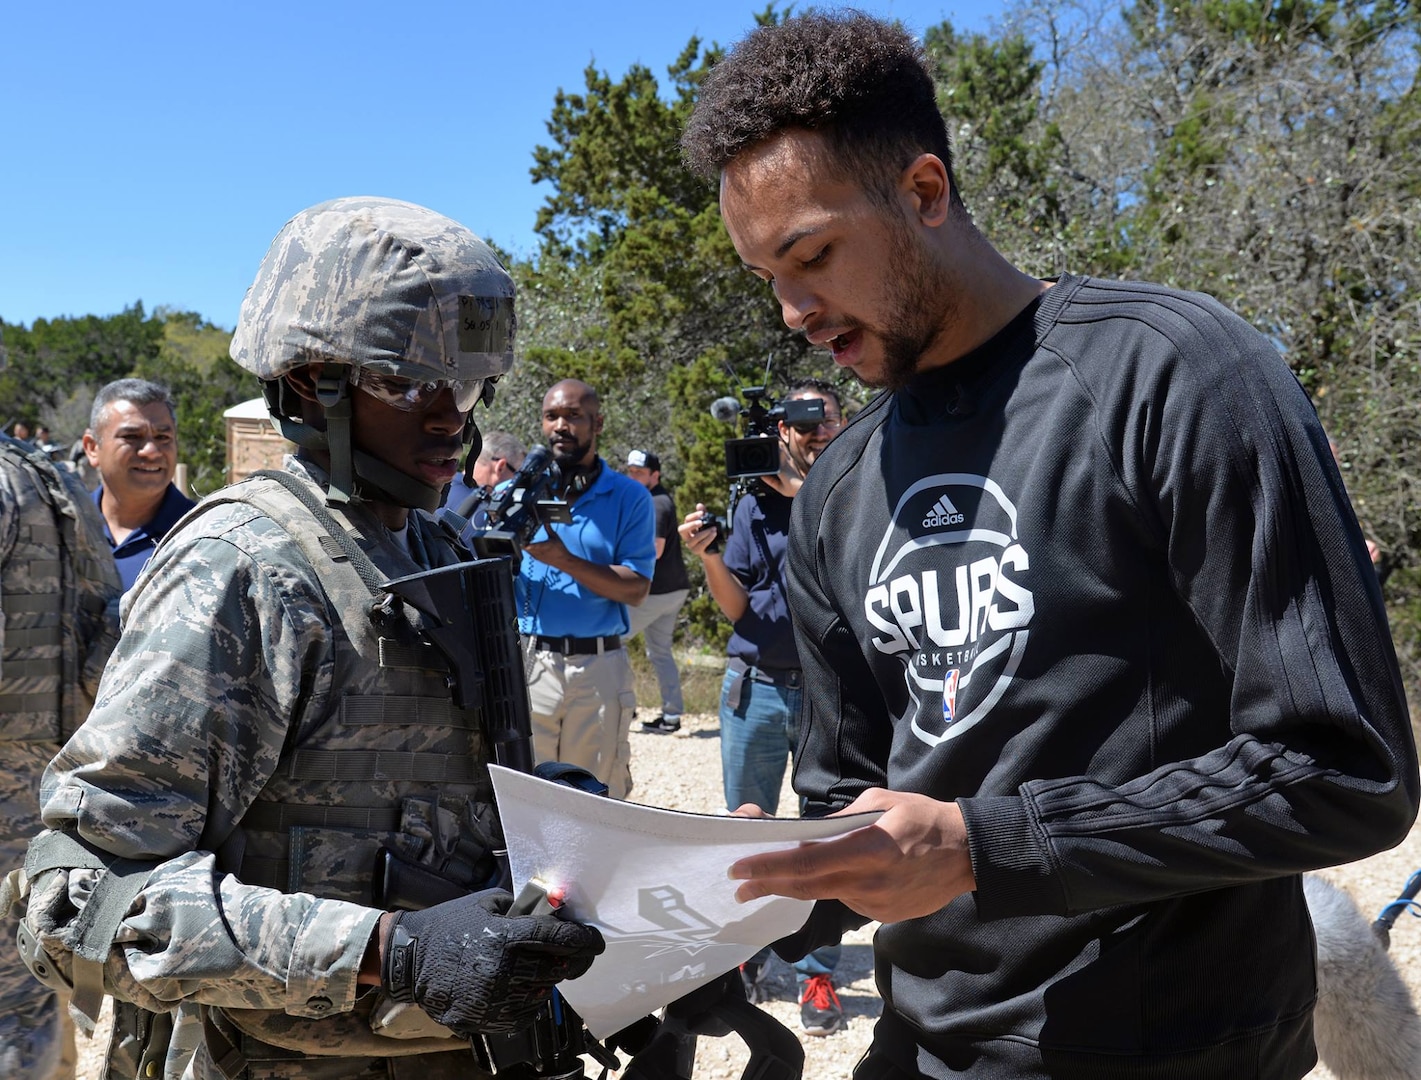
(414, 395)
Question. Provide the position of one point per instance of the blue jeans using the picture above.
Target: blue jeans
(757, 739)
(758, 736)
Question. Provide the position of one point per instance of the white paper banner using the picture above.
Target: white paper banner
(654, 882)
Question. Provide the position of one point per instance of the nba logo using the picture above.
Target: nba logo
(949, 695)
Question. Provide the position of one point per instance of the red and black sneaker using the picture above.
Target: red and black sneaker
(819, 1010)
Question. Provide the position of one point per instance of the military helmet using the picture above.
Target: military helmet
(378, 283)
(378, 287)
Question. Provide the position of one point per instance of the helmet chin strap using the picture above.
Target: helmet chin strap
(376, 480)
(353, 473)
(333, 393)
(475, 442)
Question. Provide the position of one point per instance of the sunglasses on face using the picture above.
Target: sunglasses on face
(412, 395)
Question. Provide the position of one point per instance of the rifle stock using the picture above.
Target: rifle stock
(473, 621)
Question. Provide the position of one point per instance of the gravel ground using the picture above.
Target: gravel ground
(684, 774)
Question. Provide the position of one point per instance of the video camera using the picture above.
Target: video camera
(503, 519)
(757, 454)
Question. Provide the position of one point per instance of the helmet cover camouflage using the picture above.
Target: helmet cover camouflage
(381, 284)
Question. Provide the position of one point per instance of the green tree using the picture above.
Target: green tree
(637, 288)
(990, 91)
(55, 362)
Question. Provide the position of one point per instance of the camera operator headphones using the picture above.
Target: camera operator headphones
(577, 480)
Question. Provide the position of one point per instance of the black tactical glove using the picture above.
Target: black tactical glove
(477, 971)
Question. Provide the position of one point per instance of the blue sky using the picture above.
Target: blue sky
(154, 149)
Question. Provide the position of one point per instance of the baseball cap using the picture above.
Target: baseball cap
(644, 459)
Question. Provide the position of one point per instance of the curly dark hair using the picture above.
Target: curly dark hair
(861, 82)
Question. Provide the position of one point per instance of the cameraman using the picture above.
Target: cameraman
(760, 697)
(573, 595)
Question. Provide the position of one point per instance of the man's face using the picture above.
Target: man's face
(571, 424)
(135, 450)
(423, 443)
(647, 478)
(491, 471)
(806, 445)
(855, 277)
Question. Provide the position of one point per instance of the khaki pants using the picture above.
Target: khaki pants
(582, 713)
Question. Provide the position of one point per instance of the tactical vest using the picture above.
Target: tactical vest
(393, 763)
(59, 592)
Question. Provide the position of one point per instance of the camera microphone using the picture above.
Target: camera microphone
(725, 409)
(537, 460)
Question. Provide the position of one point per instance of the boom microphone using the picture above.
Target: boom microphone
(725, 409)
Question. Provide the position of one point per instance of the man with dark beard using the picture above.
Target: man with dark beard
(1081, 607)
(573, 595)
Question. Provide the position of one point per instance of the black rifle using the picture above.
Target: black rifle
(488, 672)
(485, 665)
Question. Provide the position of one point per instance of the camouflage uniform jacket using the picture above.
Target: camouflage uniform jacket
(260, 738)
(59, 594)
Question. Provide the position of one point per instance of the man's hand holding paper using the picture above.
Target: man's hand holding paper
(909, 863)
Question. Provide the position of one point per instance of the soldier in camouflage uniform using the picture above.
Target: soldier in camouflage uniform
(59, 593)
(261, 734)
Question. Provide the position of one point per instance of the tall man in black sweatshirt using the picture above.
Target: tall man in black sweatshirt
(1081, 606)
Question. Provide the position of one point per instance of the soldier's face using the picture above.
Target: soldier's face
(422, 443)
(135, 450)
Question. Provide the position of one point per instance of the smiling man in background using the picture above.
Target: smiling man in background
(133, 443)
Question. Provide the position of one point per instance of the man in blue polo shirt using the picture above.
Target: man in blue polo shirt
(133, 443)
(573, 595)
